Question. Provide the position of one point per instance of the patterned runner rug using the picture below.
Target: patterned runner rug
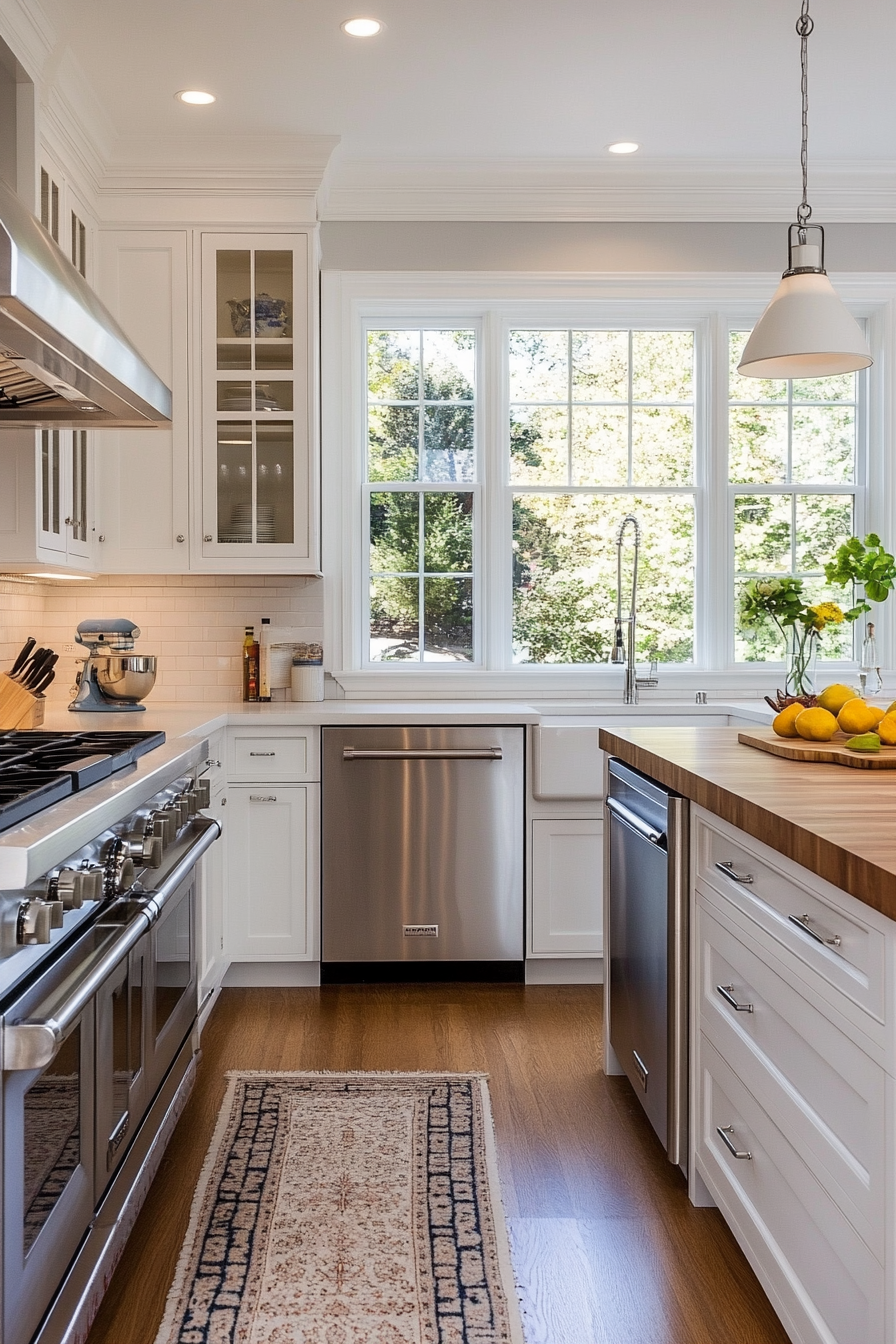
(347, 1208)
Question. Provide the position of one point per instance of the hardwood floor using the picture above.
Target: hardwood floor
(607, 1247)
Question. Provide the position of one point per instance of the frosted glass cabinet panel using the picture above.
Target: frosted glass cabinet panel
(259, 467)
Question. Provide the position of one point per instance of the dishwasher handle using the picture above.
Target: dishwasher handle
(435, 754)
(638, 824)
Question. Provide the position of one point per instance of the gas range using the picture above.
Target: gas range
(100, 835)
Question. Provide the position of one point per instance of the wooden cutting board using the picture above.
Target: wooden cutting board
(834, 752)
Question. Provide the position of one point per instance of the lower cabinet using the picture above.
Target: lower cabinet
(270, 910)
(567, 887)
(792, 1083)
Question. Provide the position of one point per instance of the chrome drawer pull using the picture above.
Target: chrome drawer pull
(820, 935)
(725, 991)
(723, 1132)
(727, 867)
(262, 753)
(262, 797)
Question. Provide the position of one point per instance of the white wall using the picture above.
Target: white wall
(589, 247)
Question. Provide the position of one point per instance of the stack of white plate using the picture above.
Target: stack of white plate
(240, 528)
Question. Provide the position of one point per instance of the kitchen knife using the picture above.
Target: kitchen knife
(37, 669)
(48, 676)
(25, 650)
(37, 656)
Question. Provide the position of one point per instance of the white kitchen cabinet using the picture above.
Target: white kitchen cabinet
(792, 1088)
(566, 915)
(258, 485)
(272, 841)
(47, 514)
(144, 474)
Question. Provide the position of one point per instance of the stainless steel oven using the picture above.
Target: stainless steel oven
(97, 1048)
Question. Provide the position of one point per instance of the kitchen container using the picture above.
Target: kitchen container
(307, 680)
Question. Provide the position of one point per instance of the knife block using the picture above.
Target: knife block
(18, 707)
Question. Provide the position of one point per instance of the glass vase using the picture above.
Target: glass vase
(802, 655)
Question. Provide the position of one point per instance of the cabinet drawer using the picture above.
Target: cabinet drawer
(822, 1277)
(567, 762)
(279, 753)
(837, 948)
(825, 1093)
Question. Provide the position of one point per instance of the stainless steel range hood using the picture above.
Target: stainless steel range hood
(64, 361)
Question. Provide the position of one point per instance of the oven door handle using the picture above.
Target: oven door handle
(211, 830)
(32, 1044)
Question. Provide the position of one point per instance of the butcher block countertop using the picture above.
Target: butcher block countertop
(840, 824)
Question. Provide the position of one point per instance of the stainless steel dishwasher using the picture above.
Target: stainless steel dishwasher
(646, 962)
(422, 853)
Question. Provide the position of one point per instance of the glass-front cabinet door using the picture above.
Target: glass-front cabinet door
(259, 471)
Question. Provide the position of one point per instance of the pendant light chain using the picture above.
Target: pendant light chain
(804, 26)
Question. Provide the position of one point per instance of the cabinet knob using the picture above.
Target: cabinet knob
(207, 537)
(180, 536)
(101, 537)
(69, 522)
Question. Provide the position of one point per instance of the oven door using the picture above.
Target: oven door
(121, 1074)
(48, 1176)
(173, 980)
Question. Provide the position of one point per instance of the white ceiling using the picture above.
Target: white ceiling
(477, 81)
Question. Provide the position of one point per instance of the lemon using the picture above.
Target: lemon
(816, 725)
(783, 723)
(857, 717)
(833, 698)
(886, 730)
(865, 742)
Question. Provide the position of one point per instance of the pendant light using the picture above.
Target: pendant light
(805, 332)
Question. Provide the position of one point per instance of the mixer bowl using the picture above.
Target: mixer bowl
(125, 676)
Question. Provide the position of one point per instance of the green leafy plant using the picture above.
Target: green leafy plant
(867, 565)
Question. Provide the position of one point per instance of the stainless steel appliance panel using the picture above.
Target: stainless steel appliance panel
(423, 844)
(647, 954)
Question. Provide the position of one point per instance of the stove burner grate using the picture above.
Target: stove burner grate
(39, 768)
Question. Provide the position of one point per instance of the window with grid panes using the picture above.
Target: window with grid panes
(601, 425)
(793, 490)
(421, 495)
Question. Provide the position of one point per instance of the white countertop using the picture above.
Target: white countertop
(204, 718)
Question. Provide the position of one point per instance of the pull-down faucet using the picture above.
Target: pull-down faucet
(626, 653)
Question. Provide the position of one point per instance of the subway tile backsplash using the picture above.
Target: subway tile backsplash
(194, 623)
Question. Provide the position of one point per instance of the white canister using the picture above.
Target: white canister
(307, 681)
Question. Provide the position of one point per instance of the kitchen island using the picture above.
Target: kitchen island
(792, 1019)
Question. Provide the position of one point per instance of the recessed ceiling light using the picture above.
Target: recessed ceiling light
(624, 147)
(195, 96)
(362, 27)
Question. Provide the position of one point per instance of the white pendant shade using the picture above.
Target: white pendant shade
(805, 332)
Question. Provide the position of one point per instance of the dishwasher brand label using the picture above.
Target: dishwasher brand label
(421, 930)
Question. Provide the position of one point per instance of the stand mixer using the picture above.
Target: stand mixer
(113, 678)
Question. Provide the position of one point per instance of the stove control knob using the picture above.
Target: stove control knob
(145, 849)
(92, 882)
(190, 799)
(175, 811)
(57, 914)
(160, 825)
(120, 871)
(203, 793)
(34, 923)
(68, 888)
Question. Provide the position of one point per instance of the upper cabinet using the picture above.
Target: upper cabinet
(258, 464)
(144, 474)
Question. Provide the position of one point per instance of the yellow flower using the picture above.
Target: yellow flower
(826, 613)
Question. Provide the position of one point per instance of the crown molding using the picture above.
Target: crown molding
(27, 31)
(591, 190)
(216, 165)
